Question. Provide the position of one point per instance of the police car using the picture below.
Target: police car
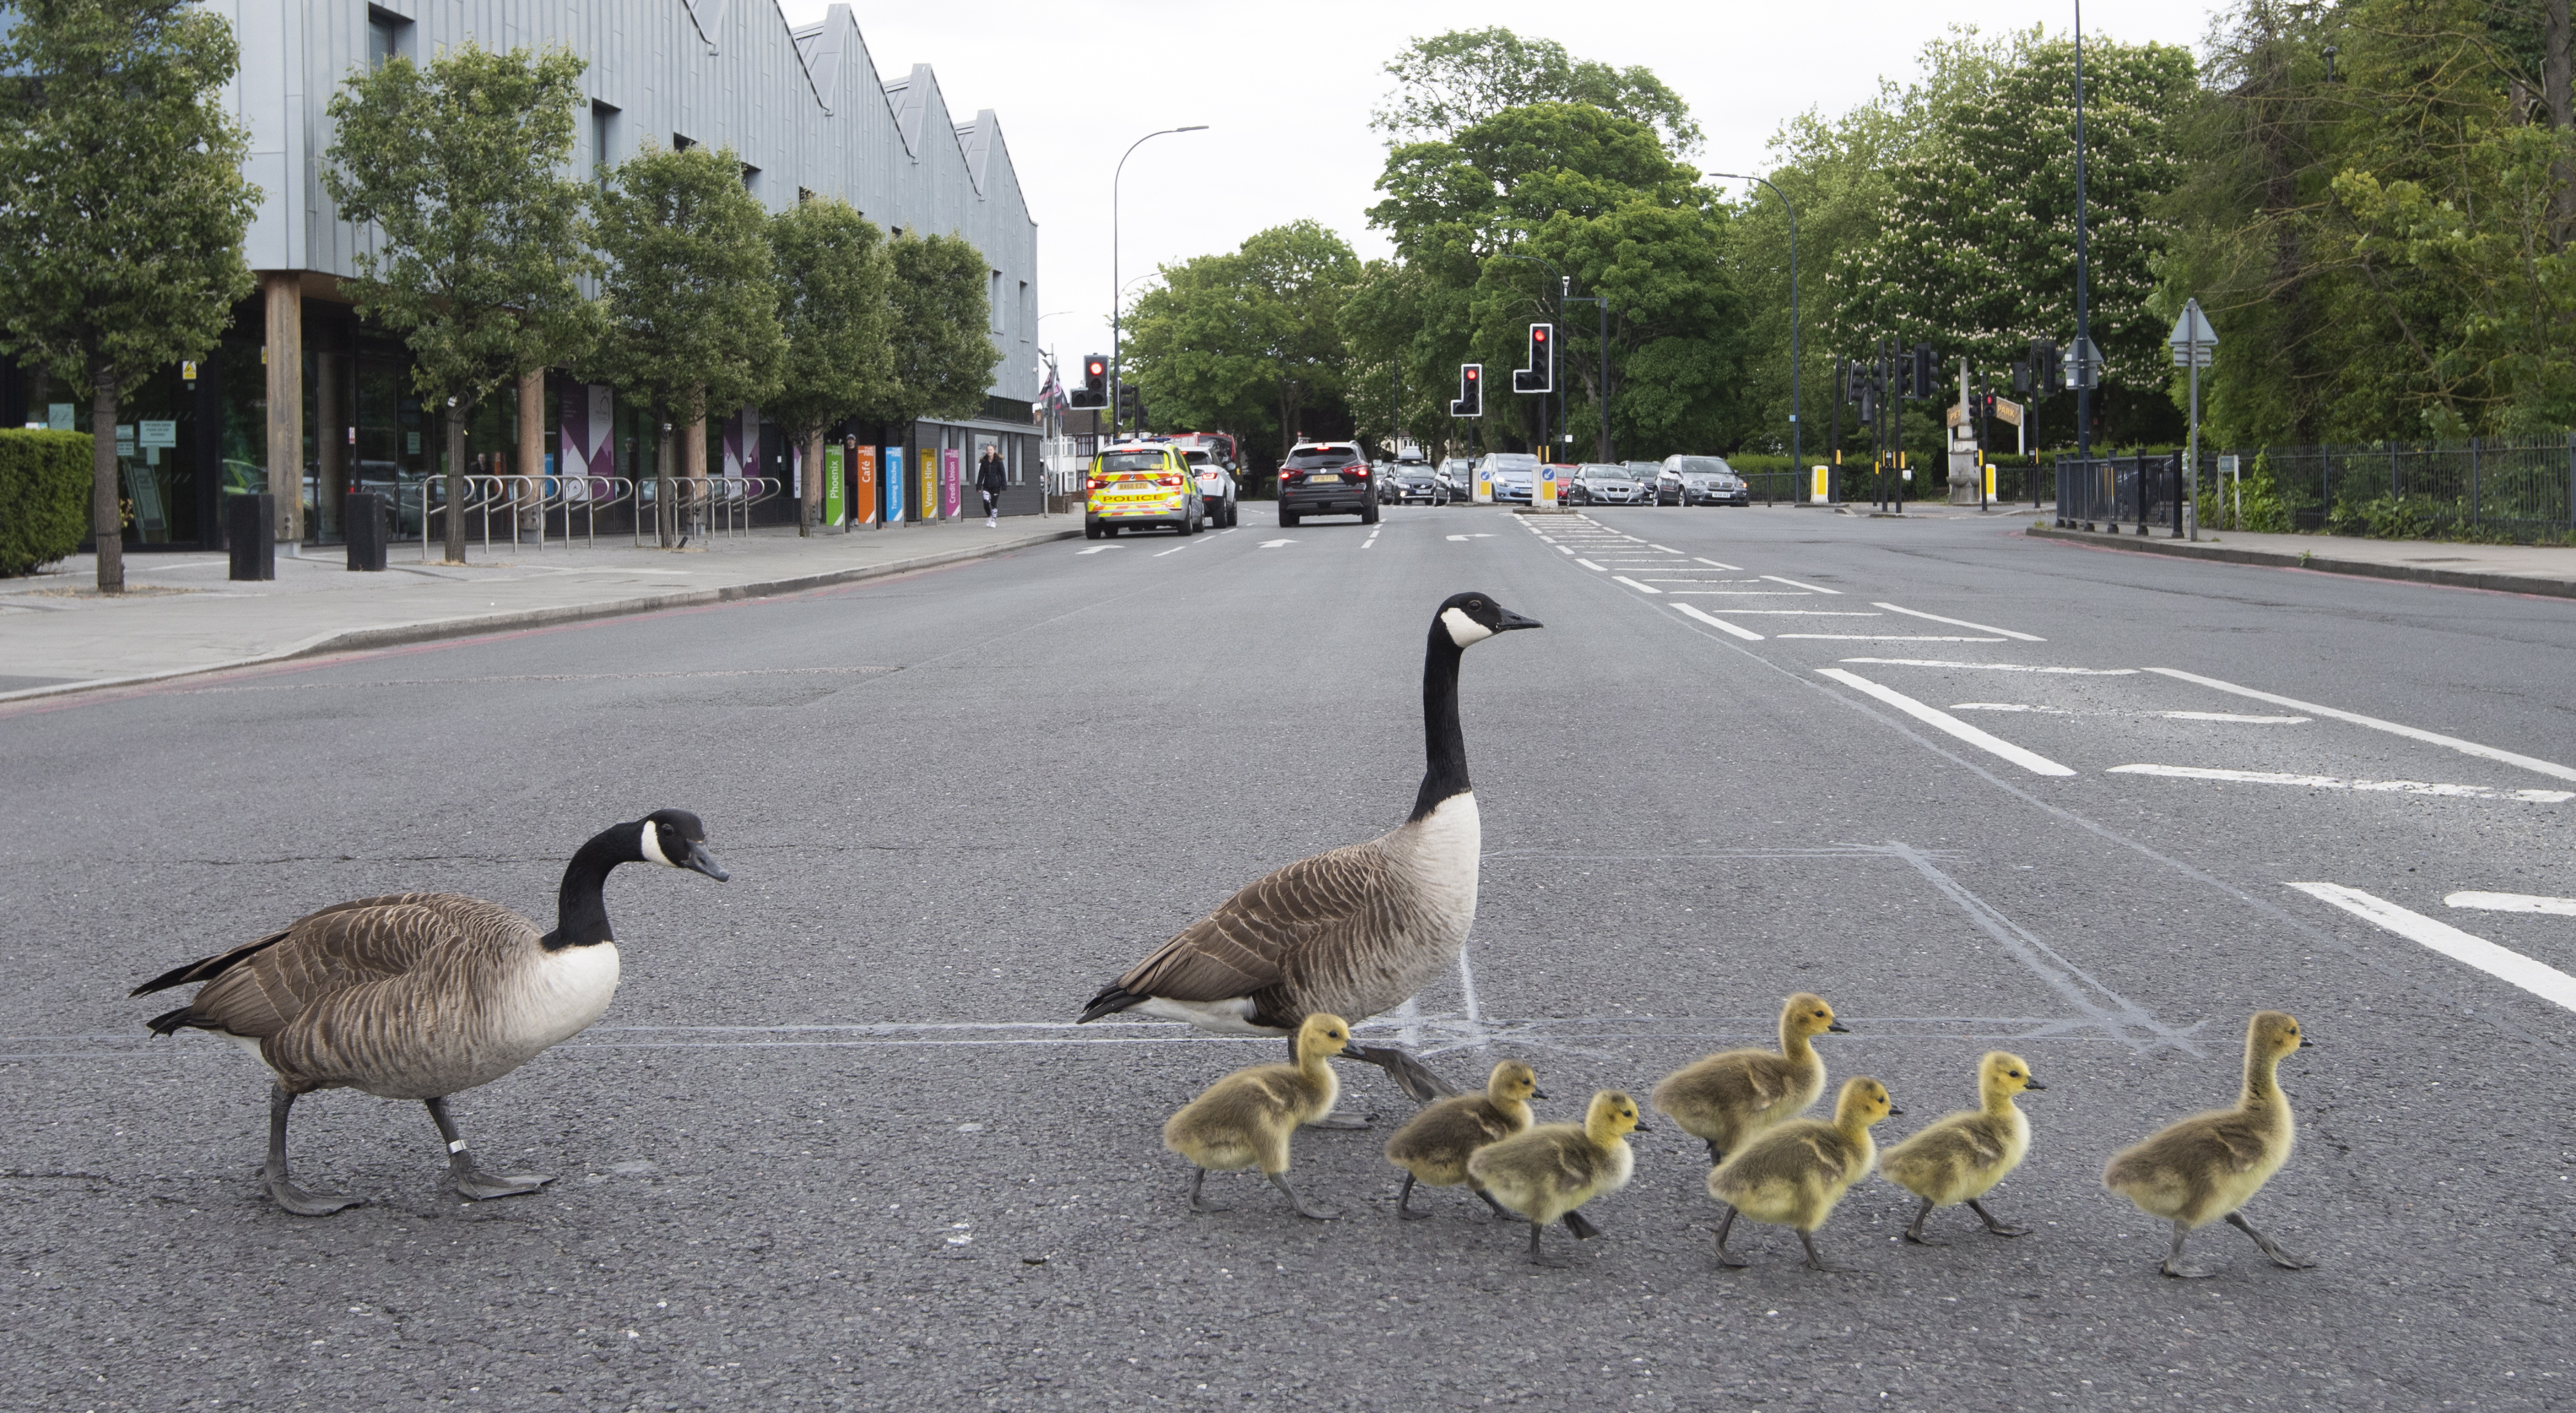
(1142, 484)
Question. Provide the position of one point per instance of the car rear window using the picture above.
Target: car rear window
(1704, 466)
(1322, 456)
(1117, 461)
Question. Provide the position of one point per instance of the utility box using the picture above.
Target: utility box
(250, 531)
(365, 519)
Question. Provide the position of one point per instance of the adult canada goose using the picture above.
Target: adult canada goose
(1245, 1119)
(1727, 1098)
(1795, 1173)
(1435, 1144)
(1548, 1171)
(1960, 1157)
(1354, 931)
(420, 995)
(2205, 1167)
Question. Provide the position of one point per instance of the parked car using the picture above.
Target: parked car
(1512, 472)
(1602, 483)
(1411, 481)
(1137, 484)
(1700, 480)
(1216, 484)
(1458, 478)
(1326, 478)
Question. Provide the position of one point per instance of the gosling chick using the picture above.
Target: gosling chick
(2207, 1166)
(1729, 1097)
(1244, 1119)
(1435, 1146)
(1794, 1174)
(1548, 1171)
(1960, 1157)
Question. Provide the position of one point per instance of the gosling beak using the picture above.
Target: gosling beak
(1513, 620)
(700, 861)
(2306, 1044)
(1838, 1028)
(2033, 1084)
(1538, 1094)
(1351, 1051)
(1641, 1128)
(1894, 1112)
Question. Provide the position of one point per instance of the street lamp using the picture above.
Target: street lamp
(1118, 291)
(2085, 374)
(1796, 457)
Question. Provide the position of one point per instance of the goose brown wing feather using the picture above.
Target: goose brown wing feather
(1257, 937)
(342, 958)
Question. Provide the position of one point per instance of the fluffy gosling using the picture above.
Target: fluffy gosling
(1794, 1174)
(1960, 1157)
(1435, 1146)
(1729, 1097)
(1244, 1120)
(2207, 1166)
(1548, 1171)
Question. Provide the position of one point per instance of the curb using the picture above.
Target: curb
(2364, 569)
(473, 625)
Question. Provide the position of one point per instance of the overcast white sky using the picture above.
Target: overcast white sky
(1287, 90)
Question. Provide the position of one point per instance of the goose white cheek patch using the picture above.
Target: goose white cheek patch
(1462, 629)
(653, 845)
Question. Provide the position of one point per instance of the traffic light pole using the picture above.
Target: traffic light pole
(1117, 291)
(1796, 457)
(2085, 374)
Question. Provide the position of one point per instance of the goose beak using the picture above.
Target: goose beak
(2033, 1084)
(1641, 1128)
(1538, 1094)
(1352, 1050)
(1838, 1028)
(1894, 1112)
(700, 861)
(1511, 620)
(2306, 1044)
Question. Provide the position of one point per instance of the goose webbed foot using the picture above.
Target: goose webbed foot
(273, 1177)
(1280, 1181)
(1501, 1212)
(1815, 1261)
(1725, 1257)
(1338, 1121)
(2271, 1248)
(2173, 1265)
(1580, 1226)
(470, 1180)
(1999, 1228)
(1914, 1232)
(1404, 1203)
(1541, 1258)
(1409, 1074)
(1198, 1177)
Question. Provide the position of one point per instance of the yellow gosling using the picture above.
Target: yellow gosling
(1436, 1145)
(1547, 1172)
(1794, 1174)
(1960, 1157)
(1244, 1120)
(2207, 1166)
(1729, 1097)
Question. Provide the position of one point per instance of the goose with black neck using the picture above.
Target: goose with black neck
(1355, 931)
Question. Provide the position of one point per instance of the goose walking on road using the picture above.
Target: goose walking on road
(421, 995)
(2197, 1170)
(1355, 931)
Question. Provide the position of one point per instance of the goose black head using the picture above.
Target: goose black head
(675, 839)
(1472, 618)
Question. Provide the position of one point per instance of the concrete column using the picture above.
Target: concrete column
(532, 448)
(330, 441)
(693, 465)
(285, 292)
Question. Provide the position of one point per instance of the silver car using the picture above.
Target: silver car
(1513, 473)
(1700, 480)
(1601, 483)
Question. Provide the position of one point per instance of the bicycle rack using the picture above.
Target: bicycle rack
(592, 494)
(479, 490)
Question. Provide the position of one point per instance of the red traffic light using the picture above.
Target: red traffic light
(1473, 374)
(1539, 333)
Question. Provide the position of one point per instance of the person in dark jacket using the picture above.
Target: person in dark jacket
(990, 478)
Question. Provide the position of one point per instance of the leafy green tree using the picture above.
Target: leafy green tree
(941, 355)
(691, 297)
(122, 206)
(833, 275)
(1252, 340)
(460, 163)
(1454, 81)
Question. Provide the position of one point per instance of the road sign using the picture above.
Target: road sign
(2082, 364)
(2008, 412)
(2192, 327)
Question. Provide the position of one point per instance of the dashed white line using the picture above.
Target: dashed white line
(1808, 612)
(1713, 564)
(1631, 583)
(1665, 548)
(1176, 549)
(2374, 723)
(1888, 638)
(1563, 549)
(1997, 666)
(2514, 903)
(1588, 564)
(2237, 717)
(2031, 761)
(1963, 623)
(1810, 588)
(2335, 782)
(2503, 963)
(1720, 624)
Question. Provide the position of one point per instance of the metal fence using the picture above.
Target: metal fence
(2108, 492)
(2511, 488)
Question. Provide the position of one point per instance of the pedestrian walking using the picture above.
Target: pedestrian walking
(990, 478)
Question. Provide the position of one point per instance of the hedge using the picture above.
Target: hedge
(44, 497)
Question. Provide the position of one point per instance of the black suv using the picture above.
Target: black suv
(1326, 478)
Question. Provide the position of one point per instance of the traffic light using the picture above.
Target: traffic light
(1471, 391)
(1922, 370)
(2021, 380)
(1540, 375)
(1131, 404)
(2047, 374)
(1094, 391)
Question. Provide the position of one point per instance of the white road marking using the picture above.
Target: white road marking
(1888, 638)
(1562, 549)
(1713, 564)
(2008, 706)
(1274, 544)
(1720, 624)
(1095, 549)
(1631, 583)
(1962, 623)
(2334, 782)
(1176, 549)
(2502, 963)
(1997, 666)
(2031, 761)
(1665, 548)
(1805, 612)
(1810, 588)
(1588, 564)
(2236, 717)
(2374, 723)
(2514, 903)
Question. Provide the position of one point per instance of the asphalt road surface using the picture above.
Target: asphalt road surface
(835, 1145)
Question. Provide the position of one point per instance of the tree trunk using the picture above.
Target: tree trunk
(106, 515)
(2558, 93)
(693, 464)
(813, 481)
(532, 452)
(664, 522)
(455, 483)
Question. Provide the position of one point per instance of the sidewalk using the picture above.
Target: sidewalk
(181, 615)
(2512, 569)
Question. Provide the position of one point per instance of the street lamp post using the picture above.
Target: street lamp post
(1796, 457)
(2085, 373)
(1117, 290)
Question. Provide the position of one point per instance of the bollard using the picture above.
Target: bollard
(365, 519)
(250, 530)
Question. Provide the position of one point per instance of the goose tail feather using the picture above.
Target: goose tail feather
(1113, 998)
(172, 1022)
(207, 968)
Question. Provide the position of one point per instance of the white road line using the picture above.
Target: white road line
(2503, 963)
(1963, 623)
(2514, 903)
(1888, 638)
(2334, 782)
(1720, 624)
(1631, 583)
(1807, 612)
(1713, 564)
(2031, 761)
(1998, 666)
(1665, 548)
(1274, 544)
(2008, 706)
(1811, 588)
(1095, 549)
(1176, 549)
(1588, 564)
(2375, 724)
(1561, 549)
(2236, 717)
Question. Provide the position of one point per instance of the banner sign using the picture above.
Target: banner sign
(863, 497)
(832, 485)
(894, 464)
(929, 488)
(952, 482)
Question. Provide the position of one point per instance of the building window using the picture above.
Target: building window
(680, 142)
(388, 37)
(993, 299)
(1028, 314)
(603, 139)
(751, 178)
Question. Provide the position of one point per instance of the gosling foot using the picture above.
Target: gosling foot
(1321, 1214)
(1725, 1257)
(1501, 1212)
(307, 1204)
(1815, 1261)
(2271, 1248)
(1404, 1203)
(1999, 1228)
(1538, 1256)
(1339, 1121)
(1580, 1226)
(1197, 1202)
(1914, 1234)
(2173, 1265)
(481, 1186)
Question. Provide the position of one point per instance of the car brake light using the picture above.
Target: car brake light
(1359, 471)
(1097, 483)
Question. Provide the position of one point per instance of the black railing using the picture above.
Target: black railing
(2509, 488)
(2139, 493)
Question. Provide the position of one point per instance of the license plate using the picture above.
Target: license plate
(1325, 478)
